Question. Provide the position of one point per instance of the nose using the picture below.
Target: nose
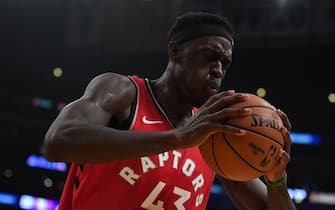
(216, 69)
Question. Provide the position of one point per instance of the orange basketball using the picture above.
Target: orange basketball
(249, 156)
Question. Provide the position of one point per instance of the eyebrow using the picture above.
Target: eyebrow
(216, 49)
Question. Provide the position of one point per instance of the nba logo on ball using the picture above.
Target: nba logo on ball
(249, 156)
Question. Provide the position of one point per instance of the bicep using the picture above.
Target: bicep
(85, 110)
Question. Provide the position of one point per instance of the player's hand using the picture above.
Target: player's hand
(278, 172)
(284, 118)
(210, 117)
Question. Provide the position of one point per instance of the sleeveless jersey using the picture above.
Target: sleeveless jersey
(172, 180)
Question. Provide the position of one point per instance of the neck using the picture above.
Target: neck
(170, 98)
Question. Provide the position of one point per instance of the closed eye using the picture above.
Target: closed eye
(214, 56)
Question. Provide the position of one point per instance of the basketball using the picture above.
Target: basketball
(246, 157)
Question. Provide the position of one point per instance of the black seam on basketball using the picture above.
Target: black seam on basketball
(213, 153)
(233, 149)
(258, 133)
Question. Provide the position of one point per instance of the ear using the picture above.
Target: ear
(174, 51)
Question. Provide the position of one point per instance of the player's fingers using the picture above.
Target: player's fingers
(277, 172)
(228, 113)
(227, 101)
(285, 119)
(284, 158)
(216, 97)
(287, 139)
(231, 129)
(227, 92)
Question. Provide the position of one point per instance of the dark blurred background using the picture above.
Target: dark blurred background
(50, 50)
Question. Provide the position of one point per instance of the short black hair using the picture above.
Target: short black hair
(196, 18)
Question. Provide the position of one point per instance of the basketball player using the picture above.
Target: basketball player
(133, 142)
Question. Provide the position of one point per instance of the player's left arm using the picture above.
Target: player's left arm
(247, 195)
(254, 194)
(276, 179)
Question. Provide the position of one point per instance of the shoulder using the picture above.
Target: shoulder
(110, 79)
(111, 88)
(109, 83)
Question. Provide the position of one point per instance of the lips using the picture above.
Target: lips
(214, 84)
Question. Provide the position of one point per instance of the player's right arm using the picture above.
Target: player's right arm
(80, 133)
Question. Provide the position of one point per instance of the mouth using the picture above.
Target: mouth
(214, 84)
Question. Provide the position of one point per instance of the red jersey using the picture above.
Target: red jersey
(178, 179)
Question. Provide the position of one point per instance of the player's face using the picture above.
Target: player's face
(204, 63)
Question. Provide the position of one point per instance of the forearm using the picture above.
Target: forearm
(279, 199)
(94, 143)
(278, 196)
(255, 195)
(248, 195)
